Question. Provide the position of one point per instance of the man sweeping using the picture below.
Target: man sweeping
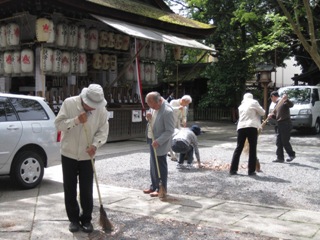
(185, 142)
(81, 118)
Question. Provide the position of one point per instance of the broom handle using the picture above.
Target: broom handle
(154, 149)
(93, 165)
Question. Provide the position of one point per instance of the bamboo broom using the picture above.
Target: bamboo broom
(162, 191)
(263, 124)
(103, 219)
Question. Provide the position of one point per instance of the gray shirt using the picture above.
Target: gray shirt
(188, 137)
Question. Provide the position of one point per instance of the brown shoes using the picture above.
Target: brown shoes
(151, 192)
(147, 191)
(154, 194)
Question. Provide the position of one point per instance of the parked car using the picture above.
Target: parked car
(28, 138)
(305, 114)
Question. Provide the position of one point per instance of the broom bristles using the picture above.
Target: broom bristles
(162, 191)
(104, 221)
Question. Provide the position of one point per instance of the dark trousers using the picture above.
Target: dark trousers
(163, 167)
(188, 154)
(252, 135)
(72, 171)
(283, 140)
(184, 149)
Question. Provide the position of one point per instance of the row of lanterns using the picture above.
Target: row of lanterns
(74, 36)
(148, 73)
(104, 62)
(17, 62)
(62, 62)
(153, 50)
(9, 35)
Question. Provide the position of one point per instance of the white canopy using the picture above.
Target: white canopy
(152, 34)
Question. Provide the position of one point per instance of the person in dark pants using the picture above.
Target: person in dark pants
(159, 135)
(250, 113)
(83, 121)
(185, 142)
(284, 126)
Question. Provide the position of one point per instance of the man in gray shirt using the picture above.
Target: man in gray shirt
(185, 142)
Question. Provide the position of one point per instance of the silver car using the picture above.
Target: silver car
(28, 138)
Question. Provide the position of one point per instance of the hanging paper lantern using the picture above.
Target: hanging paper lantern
(57, 57)
(142, 77)
(140, 45)
(160, 52)
(3, 36)
(110, 40)
(52, 34)
(44, 29)
(16, 63)
(82, 63)
(105, 61)
(125, 42)
(97, 61)
(148, 50)
(153, 73)
(103, 39)
(65, 62)
(154, 51)
(118, 41)
(177, 52)
(27, 61)
(46, 59)
(8, 59)
(13, 34)
(147, 72)
(72, 36)
(113, 62)
(74, 62)
(93, 38)
(61, 35)
(82, 38)
(130, 72)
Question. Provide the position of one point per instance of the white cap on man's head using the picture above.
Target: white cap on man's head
(93, 96)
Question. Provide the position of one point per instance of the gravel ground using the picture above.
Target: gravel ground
(294, 185)
(130, 227)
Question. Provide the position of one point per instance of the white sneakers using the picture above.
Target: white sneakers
(188, 166)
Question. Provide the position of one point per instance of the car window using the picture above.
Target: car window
(297, 95)
(29, 109)
(6, 111)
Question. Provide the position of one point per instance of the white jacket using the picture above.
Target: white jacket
(74, 140)
(179, 115)
(250, 112)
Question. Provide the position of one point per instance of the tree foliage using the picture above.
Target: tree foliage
(250, 32)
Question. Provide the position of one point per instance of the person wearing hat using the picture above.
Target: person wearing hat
(81, 119)
(250, 113)
(185, 142)
(281, 113)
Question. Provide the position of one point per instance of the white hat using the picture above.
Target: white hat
(93, 96)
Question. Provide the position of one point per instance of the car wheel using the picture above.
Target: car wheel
(316, 128)
(27, 170)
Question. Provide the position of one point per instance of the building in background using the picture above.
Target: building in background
(283, 75)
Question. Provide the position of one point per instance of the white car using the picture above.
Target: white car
(28, 138)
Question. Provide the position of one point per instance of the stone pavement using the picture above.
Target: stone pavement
(27, 214)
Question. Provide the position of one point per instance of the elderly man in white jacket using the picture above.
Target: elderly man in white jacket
(250, 113)
(83, 120)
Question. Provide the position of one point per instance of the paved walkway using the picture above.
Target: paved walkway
(27, 214)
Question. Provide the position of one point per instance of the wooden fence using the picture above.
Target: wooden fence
(215, 114)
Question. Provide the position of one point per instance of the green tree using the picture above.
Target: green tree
(303, 16)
